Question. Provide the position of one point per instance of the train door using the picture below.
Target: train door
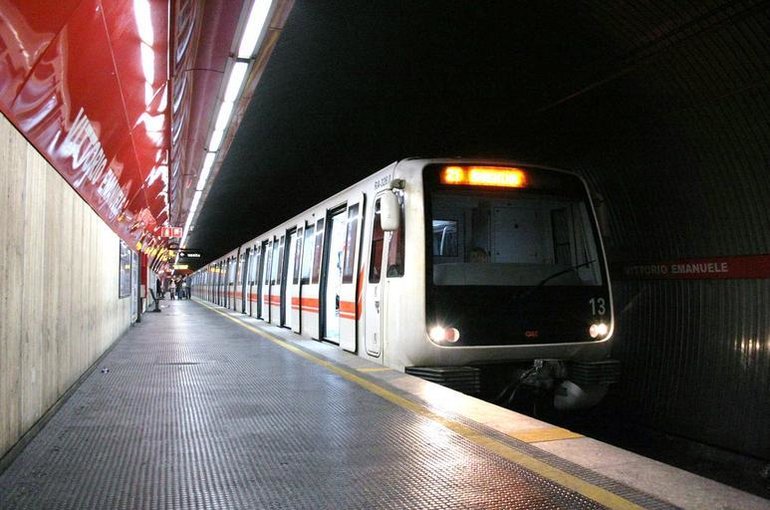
(311, 278)
(340, 296)
(293, 282)
(265, 312)
(244, 282)
(253, 280)
(261, 271)
(288, 271)
(230, 290)
(226, 280)
(350, 290)
(275, 281)
(235, 298)
(332, 275)
(373, 313)
(218, 284)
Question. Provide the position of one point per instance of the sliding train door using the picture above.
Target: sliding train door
(262, 273)
(288, 286)
(276, 277)
(294, 281)
(341, 307)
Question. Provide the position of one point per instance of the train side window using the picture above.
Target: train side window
(253, 264)
(318, 252)
(297, 256)
(396, 248)
(269, 274)
(307, 255)
(348, 269)
(378, 240)
(279, 261)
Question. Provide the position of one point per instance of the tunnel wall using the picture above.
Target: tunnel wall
(58, 283)
(674, 137)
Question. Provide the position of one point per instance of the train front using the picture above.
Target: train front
(516, 279)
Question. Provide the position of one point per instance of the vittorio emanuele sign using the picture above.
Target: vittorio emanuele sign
(751, 266)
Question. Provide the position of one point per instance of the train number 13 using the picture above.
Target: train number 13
(597, 306)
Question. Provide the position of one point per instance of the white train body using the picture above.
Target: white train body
(415, 297)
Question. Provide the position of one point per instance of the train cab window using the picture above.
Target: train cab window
(378, 240)
(525, 239)
(396, 250)
(307, 255)
(351, 244)
(318, 250)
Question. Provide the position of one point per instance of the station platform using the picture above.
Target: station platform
(200, 407)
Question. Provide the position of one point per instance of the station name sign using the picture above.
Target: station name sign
(717, 268)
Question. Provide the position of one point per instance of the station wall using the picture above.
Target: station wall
(59, 305)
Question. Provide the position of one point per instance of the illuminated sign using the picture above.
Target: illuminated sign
(497, 176)
(170, 231)
(181, 266)
(189, 255)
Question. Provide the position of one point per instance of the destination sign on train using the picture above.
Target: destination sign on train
(498, 176)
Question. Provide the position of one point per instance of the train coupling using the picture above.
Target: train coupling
(585, 383)
(575, 384)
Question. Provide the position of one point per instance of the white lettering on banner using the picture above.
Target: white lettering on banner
(112, 194)
(649, 270)
(82, 144)
(701, 268)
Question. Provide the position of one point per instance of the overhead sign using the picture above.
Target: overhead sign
(716, 268)
(189, 254)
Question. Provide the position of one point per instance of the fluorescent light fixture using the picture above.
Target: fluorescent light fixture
(216, 139)
(223, 118)
(194, 205)
(208, 162)
(234, 82)
(256, 21)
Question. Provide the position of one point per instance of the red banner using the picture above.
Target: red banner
(716, 268)
(86, 82)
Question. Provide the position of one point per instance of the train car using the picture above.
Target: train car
(442, 268)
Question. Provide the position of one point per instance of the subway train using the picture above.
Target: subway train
(473, 274)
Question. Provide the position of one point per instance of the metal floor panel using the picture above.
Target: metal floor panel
(196, 412)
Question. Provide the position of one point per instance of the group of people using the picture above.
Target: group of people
(177, 288)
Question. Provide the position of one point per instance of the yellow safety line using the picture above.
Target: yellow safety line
(545, 434)
(601, 496)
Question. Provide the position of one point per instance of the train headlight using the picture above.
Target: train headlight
(441, 334)
(598, 330)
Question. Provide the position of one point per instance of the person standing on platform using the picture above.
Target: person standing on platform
(172, 288)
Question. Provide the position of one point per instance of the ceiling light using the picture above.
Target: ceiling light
(223, 118)
(216, 139)
(234, 82)
(256, 21)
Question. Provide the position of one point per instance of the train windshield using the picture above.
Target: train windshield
(513, 256)
(513, 237)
